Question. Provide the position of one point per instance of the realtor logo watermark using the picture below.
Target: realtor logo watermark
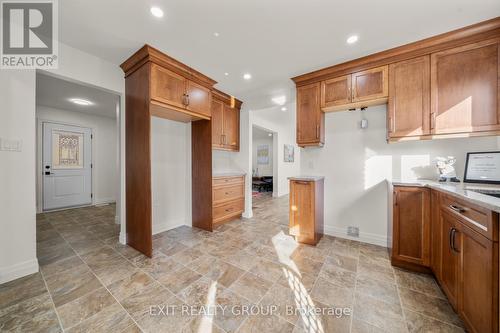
(29, 34)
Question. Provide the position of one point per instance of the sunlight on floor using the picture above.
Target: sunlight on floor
(285, 246)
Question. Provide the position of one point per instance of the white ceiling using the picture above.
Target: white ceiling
(260, 133)
(271, 39)
(56, 93)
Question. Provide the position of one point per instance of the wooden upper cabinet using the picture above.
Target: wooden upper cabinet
(465, 88)
(225, 122)
(408, 112)
(231, 132)
(370, 84)
(411, 226)
(167, 87)
(198, 98)
(217, 123)
(336, 91)
(310, 118)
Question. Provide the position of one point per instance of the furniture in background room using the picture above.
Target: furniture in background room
(306, 209)
(228, 197)
(262, 184)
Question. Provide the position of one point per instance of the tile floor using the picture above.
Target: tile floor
(90, 283)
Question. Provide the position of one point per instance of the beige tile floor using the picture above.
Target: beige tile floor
(90, 283)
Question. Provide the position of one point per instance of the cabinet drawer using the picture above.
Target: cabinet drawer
(477, 218)
(222, 181)
(231, 208)
(226, 193)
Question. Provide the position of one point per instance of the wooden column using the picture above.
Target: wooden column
(138, 161)
(201, 165)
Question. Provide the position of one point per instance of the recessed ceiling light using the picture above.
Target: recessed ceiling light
(80, 101)
(283, 109)
(247, 76)
(157, 11)
(226, 73)
(216, 34)
(270, 134)
(352, 39)
(280, 100)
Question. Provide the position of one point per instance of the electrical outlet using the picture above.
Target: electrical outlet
(353, 231)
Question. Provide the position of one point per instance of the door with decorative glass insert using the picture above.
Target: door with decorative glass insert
(66, 168)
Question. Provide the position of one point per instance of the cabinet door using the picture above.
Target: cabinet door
(310, 118)
(199, 98)
(436, 237)
(479, 282)
(336, 91)
(464, 88)
(167, 86)
(411, 234)
(302, 210)
(231, 130)
(370, 84)
(217, 123)
(450, 256)
(408, 113)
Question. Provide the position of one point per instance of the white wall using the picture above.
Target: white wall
(170, 174)
(18, 184)
(282, 124)
(17, 175)
(356, 163)
(262, 169)
(105, 175)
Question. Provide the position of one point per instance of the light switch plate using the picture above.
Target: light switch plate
(11, 145)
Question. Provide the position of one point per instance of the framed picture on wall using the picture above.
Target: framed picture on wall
(263, 154)
(289, 153)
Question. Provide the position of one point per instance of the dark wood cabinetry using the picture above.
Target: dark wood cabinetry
(408, 111)
(160, 86)
(310, 119)
(306, 210)
(464, 89)
(440, 87)
(464, 254)
(411, 226)
(225, 122)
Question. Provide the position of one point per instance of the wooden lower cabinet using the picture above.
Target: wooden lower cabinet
(450, 257)
(228, 198)
(464, 260)
(306, 210)
(411, 226)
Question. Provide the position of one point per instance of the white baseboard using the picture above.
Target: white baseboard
(123, 238)
(165, 226)
(18, 270)
(247, 215)
(364, 237)
(117, 219)
(104, 201)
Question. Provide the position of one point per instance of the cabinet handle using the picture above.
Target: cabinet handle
(457, 209)
(450, 236)
(395, 198)
(187, 100)
(453, 233)
(317, 131)
(184, 99)
(433, 120)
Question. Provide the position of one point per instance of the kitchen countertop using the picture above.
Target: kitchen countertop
(307, 178)
(228, 174)
(461, 190)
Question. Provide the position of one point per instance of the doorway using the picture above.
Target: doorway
(264, 163)
(67, 166)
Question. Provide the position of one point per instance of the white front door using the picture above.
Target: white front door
(66, 168)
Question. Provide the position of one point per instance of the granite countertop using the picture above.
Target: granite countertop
(461, 190)
(307, 178)
(228, 173)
